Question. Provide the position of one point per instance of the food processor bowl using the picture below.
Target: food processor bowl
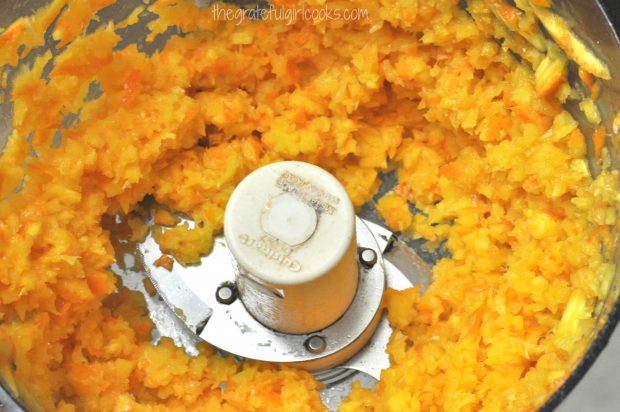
(597, 22)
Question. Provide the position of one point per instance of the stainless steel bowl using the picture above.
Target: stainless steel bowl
(595, 21)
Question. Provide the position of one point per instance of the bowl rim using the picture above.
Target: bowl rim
(610, 9)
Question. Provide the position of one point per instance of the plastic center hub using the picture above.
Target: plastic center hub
(291, 228)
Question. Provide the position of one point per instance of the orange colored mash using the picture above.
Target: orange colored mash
(497, 171)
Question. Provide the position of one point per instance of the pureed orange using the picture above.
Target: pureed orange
(496, 166)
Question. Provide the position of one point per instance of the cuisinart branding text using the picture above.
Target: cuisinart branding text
(308, 193)
(273, 249)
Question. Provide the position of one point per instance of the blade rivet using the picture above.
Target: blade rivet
(226, 294)
(315, 344)
(368, 257)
